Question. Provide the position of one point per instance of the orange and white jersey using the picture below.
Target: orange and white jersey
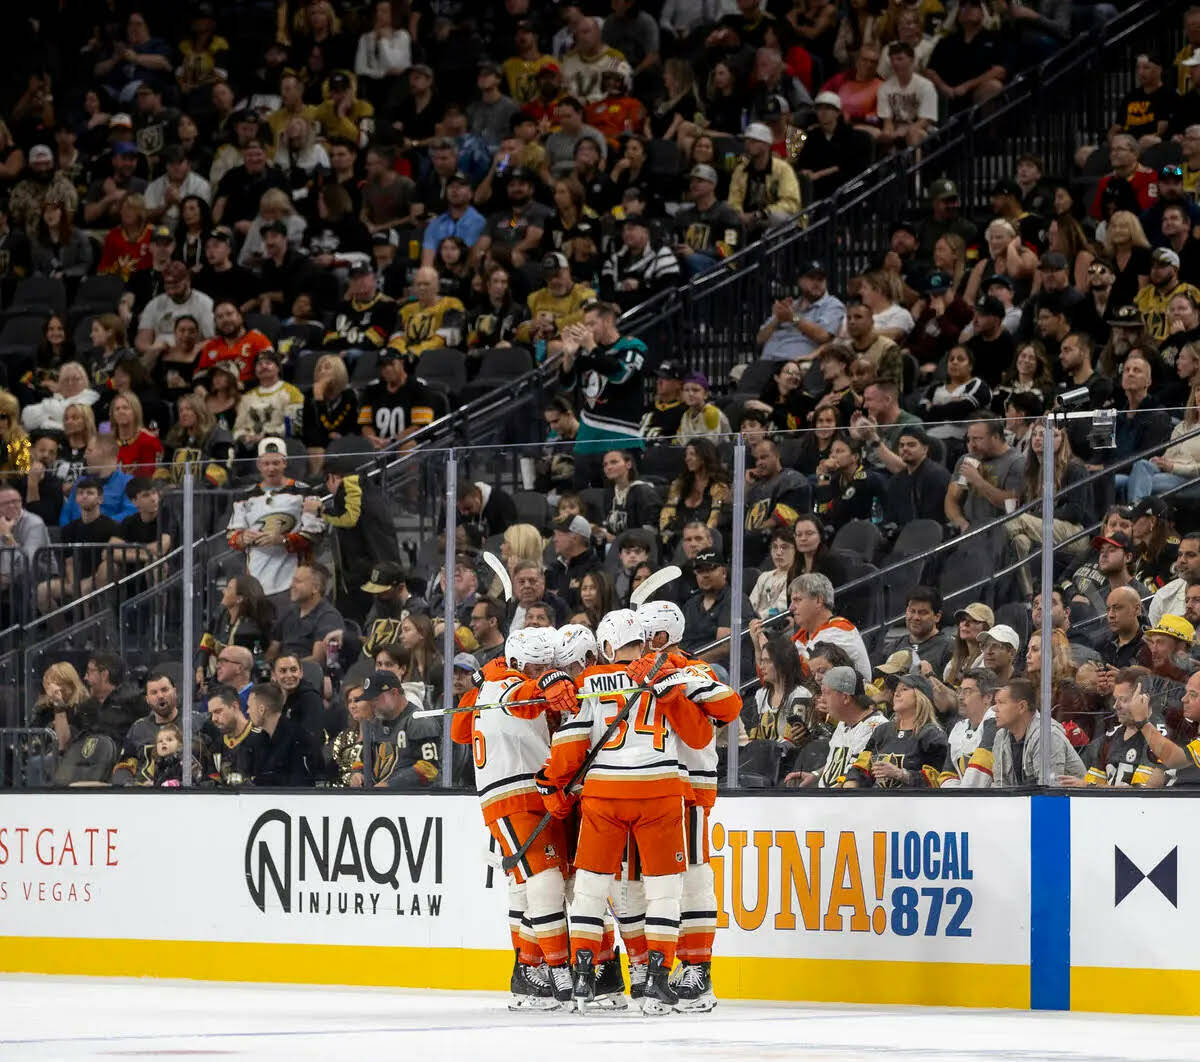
(640, 760)
(509, 744)
(700, 685)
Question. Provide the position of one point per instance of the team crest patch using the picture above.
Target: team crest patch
(678, 857)
(550, 852)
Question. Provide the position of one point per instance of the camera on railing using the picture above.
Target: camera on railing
(1070, 405)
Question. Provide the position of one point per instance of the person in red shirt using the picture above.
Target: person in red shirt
(233, 342)
(617, 112)
(1123, 152)
(138, 451)
(127, 247)
(549, 92)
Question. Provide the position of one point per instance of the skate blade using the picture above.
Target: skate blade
(533, 1003)
(696, 1006)
(608, 1003)
(655, 1007)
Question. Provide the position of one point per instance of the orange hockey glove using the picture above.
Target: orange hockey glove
(560, 692)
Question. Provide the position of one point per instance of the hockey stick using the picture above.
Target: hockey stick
(429, 713)
(501, 573)
(509, 862)
(653, 583)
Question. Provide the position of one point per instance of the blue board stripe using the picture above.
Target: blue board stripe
(1050, 907)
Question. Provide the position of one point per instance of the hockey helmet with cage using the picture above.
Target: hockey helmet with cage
(661, 616)
(618, 629)
(575, 642)
(531, 646)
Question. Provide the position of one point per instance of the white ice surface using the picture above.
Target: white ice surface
(73, 1018)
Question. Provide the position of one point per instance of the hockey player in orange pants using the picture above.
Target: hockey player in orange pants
(663, 625)
(633, 788)
(577, 651)
(510, 745)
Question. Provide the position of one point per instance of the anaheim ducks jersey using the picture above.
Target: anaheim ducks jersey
(276, 510)
(422, 328)
(640, 760)
(965, 744)
(700, 685)
(844, 748)
(509, 745)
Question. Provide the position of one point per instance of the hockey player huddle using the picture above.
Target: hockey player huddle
(603, 786)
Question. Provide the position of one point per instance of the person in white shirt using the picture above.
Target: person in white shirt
(164, 194)
(384, 51)
(879, 295)
(907, 101)
(156, 326)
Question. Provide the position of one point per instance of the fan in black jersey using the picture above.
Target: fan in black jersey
(1124, 757)
(397, 405)
(365, 318)
(662, 420)
(236, 747)
(1181, 761)
(909, 749)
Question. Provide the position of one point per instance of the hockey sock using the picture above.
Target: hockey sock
(662, 914)
(698, 915)
(587, 912)
(545, 913)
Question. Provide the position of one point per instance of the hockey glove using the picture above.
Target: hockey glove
(426, 771)
(556, 802)
(639, 670)
(560, 692)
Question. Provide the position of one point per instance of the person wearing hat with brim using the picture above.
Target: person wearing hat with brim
(798, 326)
(1170, 641)
(102, 202)
(1111, 570)
(273, 407)
(1000, 645)
(341, 113)
(966, 652)
(397, 404)
(1056, 284)
(709, 229)
(944, 218)
(701, 419)
(1153, 298)
(574, 558)
(844, 700)
(460, 219)
(639, 269)
(399, 751)
(706, 614)
(778, 195)
(907, 751)
(834, 153)
(558, 305)
(387, 584)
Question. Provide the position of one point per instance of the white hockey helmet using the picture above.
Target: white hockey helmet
(618, 629)
(661, 616)
(536, 646)
(575, 642)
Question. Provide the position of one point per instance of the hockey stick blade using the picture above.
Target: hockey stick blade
(501, 573)
(509, 862)
(654, 583)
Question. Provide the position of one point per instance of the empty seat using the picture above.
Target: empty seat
(305, 368)
(860, 537)
(445, 366)
(498, 367)
(757, 375)
(99, 294)
(41, 295)
(663, 462)
(292, 339)
(23, 331)
(365, 370)
(266, 323)
(532, 508)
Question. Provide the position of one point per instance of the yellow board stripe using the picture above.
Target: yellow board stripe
(1105, 988)
(811, 980)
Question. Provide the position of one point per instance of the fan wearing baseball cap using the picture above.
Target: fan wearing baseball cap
(709, 229)
(1153, 298)
(910, 749)
(556, 306)
(763, 189)
(834, 153)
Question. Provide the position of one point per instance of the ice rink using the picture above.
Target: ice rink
(75, 1018)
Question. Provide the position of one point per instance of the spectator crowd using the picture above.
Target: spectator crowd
(261, 258)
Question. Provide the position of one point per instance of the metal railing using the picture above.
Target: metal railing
(1048, 111)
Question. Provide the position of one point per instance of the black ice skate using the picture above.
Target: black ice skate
(610, 985)
(693, 985)
(637, 980)
(560, 982)
(658, 997)
(585, 979)
(531, 989)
